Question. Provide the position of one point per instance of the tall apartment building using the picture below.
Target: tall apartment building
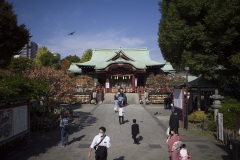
(29, 50)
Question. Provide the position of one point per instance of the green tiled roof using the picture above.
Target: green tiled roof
(194, 81)
(167, 67)
(101, 58)
(201, 82)
(73, 68)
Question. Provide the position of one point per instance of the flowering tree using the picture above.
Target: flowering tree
(61, 85)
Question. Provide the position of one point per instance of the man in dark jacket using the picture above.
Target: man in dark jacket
(135, 131)
(174, 122)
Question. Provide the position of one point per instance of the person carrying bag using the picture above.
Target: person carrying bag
(97, 145)
(101, 144)
(101, 151)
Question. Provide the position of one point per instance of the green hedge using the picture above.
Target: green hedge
(229, 117)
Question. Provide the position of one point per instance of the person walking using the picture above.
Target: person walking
(120, 100)
(64, 130)
(174, 121)
(124, 97)
(121, 115)
(101, 143)
(115, 103)
(135, 131)
(174, 145)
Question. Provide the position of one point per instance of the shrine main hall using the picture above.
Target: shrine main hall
(125, 68)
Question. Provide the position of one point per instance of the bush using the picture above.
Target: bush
(211, 125)
(41, 108)
(197, 116)
(229, 118)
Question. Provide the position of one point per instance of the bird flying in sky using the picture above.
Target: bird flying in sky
(71, 33)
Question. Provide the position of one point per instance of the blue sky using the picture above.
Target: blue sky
(96, 23)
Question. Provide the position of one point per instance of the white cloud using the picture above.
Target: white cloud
(78, 44)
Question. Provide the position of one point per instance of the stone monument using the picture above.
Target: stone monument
(216, 103)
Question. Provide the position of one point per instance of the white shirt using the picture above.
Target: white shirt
(120, 111)
(105, 142)
(183, 154)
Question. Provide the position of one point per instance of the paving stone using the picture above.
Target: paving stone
(152, 137)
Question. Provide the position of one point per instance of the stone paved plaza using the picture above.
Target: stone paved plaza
(46, 146)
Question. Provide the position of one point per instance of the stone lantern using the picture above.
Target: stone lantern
(216, 103)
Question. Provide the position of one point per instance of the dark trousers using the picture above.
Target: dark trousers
(101, 153)
(134, 137)
(121, 119)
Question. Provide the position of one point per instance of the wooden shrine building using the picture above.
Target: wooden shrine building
(125, 68)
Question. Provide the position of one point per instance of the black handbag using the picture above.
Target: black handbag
(95, 147)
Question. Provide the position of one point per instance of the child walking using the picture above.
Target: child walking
(183, 153)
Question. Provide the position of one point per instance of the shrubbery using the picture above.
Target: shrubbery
(211, 125)
(197, 116)
(229, 118)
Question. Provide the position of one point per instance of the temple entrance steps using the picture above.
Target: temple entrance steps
(132, 98)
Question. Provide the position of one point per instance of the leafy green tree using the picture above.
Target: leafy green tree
(65, 64)
(12, 36)
(42, 50)
(202, 35)
(86, 56)
(22, 86)
(18, 65)
(73, 59)
(45, 58)
(229, 120)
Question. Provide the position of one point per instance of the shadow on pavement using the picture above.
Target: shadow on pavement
(120, 158)
(225, 148)
(140, 138)
(126, 121)
(41, 142)
(76, 139)
(226, 157)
